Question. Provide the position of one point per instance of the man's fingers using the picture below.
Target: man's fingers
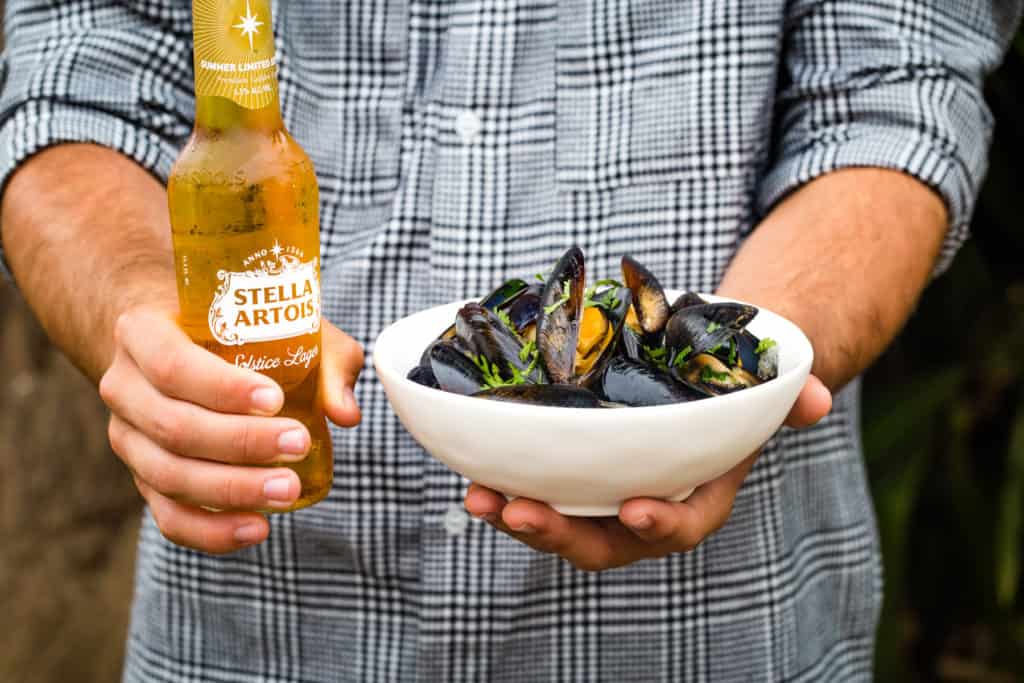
(216, 533)
(813, 403)
(202, 483)
(588, 544)
(484, 503)
(343, 359)
(682, 526)
(192, 431)
(180, 369)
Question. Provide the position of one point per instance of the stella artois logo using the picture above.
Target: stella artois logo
(277, 298)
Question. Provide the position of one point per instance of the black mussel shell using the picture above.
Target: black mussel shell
(483, 334)
(634, 383)
(502, 297)
(741, 351)
(525, 308)
(687, 299)
(558, 324)
(706, 327)
(630, 345)
(550, 395)
(423, 374)
(709, 375)
(454, 371)
(590, 364)
(649, 301)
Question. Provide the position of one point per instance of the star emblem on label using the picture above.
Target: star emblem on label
(249, 25)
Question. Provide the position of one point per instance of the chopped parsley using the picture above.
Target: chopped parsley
(529, 350)
(765, 344)
(707, 375)
(712, 326)
(566, 295)
(656, 356)
(732, 351)
(503, 316)
(609, 301)
(680, 357)
(492, 373)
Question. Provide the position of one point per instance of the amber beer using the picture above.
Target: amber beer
(245, 219)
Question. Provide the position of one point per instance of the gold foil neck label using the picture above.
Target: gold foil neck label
(234, 51)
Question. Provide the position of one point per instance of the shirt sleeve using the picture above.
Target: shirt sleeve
(894, 84)
(114, 74)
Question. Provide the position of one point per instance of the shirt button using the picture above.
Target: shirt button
(456, 520)
(468, 125)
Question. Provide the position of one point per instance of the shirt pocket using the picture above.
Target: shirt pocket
(343, 71)
(652, 91)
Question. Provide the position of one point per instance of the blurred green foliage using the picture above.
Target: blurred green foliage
(944, 440)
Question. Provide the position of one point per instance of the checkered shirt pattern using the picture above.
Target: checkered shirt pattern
(662, 128)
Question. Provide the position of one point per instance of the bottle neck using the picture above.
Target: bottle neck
(217, 114)
(235, 66)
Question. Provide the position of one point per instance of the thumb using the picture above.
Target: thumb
(342, 362)
(813, 403)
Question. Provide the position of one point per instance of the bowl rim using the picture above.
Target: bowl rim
(801, 367)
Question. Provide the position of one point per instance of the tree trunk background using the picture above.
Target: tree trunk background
(68, 515)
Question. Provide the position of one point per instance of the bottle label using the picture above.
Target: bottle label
(234, 51)
(278, 297)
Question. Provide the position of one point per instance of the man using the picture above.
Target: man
(818, 158)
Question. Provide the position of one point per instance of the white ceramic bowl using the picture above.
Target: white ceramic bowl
(585, 461)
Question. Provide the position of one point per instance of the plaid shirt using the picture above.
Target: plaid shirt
(458, 143)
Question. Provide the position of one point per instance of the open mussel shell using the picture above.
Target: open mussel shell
(559, 320)
(500, 298)
(483, 334)
(549, 395)
(601, 333)
(649, 301)
(633, 383)
(741, 351)
(524, 309)
(706, 327)
(707, 374)
(454, 371)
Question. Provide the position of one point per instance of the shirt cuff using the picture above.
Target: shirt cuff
(893, 148)
(37, 125)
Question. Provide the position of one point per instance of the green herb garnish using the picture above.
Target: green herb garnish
(680, 357)
(528, 350)
(712, 326)
(707, 375)
(764, 345)
(566, 295)
(656, 356)
(492, 373)
(732, 351)
(504, 318)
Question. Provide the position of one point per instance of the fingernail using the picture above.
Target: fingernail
(266, 400)
(279, 489)
(642, 523)
(249, 534)
(293, 442)
(525, 529)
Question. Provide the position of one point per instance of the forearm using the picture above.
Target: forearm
(86, 233)
(846, 258)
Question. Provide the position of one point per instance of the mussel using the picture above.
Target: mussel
(696, 329)
(707, 374)
(500, 299)
(558, 324)
(650, 305)
(424, 374)
(633, 383)
(550, 395)
(454, 371)
(485, 336)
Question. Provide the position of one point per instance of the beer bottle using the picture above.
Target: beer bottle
(245, 219)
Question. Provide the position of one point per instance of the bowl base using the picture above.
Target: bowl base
(601, 510)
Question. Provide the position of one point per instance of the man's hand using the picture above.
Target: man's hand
(190, 427)
(645, 528)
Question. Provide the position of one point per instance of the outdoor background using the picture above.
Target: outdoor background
(944, 434)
